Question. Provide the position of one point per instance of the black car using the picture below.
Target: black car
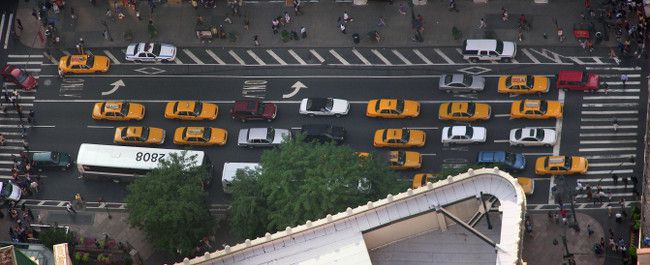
(47, 160)
(323, 133)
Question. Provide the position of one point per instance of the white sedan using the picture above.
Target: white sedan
(324, 107)
(531, 136)
(150, 52)
(463, 135)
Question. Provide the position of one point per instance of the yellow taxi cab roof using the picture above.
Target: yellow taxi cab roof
(113, 105)
(518, 79)
(133, 131)
(195, 131)
(556, 160)
(532, 104)
(393, 133)
(387, 103)
(186, 105)
(459, 106)
(78, 59)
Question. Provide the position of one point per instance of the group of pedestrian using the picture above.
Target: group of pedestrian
(22, 217)
(630, 26)
(343, 22)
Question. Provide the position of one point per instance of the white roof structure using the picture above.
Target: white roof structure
(339, 239)
(128, 156)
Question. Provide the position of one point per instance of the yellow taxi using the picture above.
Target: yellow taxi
(362, 154)
(421, 179)
(202, 136)
(527, 184)
(191, 110)
(523, 84)
(464, 111)
(399, 138)
(118, 111)
(561, 165)
(84, 64)
(404, 160)
(393, 108)
(536, 109)
(138, 135)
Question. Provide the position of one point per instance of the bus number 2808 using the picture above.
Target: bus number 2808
(148, 157)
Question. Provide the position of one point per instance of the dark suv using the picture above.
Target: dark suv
(323, 133)
(252, 109)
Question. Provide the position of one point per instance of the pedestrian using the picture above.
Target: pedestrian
(79, 200)
(296, 8)
(19, 110)
(68, 207)
(303, 32)
(256, 40)
(483, 25)
(624, 79)
(247, 23)
(609, 196)
(615, 127)
(589, 194)
(624, 183)
(381, 22)
(520, 36)
(343, 28)
(287, 18)
(587, 4)
(137, 14)
(33, 187)
(275, 23)
(61, 74)
(452, 6)
(560, 35)
(615, 178)
(589, 46)
(19, 24)
(346, 17)
(30, 116)
(25, 145)
(109, 13)
(589, 230)
(34, 13)
(605, 87)
(504, 14)
(609, 210)
(612, 244)
(402, 9)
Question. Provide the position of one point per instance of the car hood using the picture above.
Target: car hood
(340, 106)
(417, 137)
(520, 161)
(509, 49)
(280, 134)
(413, 159)
(411, 107)
(243, 135)
(550, 136)
(167, 51)
(479, 134)
(482, 110)
(593, 81)
(541, 83)
(270, 110)
(136, 110)
(156, 135)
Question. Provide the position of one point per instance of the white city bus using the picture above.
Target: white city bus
(125, 163)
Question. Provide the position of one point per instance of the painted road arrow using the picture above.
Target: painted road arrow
(117, 84)
(296, 88)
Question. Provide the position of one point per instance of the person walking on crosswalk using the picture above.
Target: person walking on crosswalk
(624, 79)
(615, 124)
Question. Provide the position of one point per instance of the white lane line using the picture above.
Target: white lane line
(614, 68)
(556, 148)
(610, 97)
(444, 56)
(100, 127)
(538, 154)
(25, 56)
(11, 20)
(623, 164)
(381, 57)
(236, 57)
(617, 134)
(606, 149)
(611, 156)
(114, 59)
(609, 142)
(625, 194)
(610, 127)
(11, 147)
(2, 24)
(609, 172)
(501, 141)
(276, 57)
(422, 57)
(627, 90)
(401, 57)
(318, 57)
(621, 83)
(255, 57)
(611, 112)
(424, 128)
(501, 115)
(360, 56)
(339, 57)
(608, 105)
(296, 57)
(608, 119)
(192, 56)
(178, 60)
(33, 70)
(619, 76)
(214, 57)
(529, 55)
(25, 62)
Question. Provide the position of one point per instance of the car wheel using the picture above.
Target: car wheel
(269, 120)
(243, 120)
(474, 60)
(520, 145)
(311, 115)
(506, 60)
(337, 115)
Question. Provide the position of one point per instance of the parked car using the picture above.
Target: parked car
(324, 107)
(532, 136)
(463, 135)
(150, 52)
(253, 109)
(9, 191)
(18, 76)
(48, 160)
(506, 161)
(461, 83)
(323, 133)
(577, 80)
(262, 137)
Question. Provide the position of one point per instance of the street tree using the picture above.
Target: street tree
(170, 205)
(301, 181)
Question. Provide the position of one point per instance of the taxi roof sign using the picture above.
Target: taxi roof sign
(532, 103)
(195, 131)
(556, 160)
(519, 79)
(113, 105)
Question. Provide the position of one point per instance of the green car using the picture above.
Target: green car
(47, 160)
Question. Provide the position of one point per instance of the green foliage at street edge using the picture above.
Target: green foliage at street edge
(56, 235)
(306, 181)
(170, 205)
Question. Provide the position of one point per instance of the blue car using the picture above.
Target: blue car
(510, 162)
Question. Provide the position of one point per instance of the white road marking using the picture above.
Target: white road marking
(444, 56)
(611, 156)
(422, 57)
(381, 57)
(295, 56)
(192, 56)
(9, 27)
(617, 134)
(626, 194)
(318, 57)
(360, 56)
(25, 56)
(615, 68)
(423, 128)
(529, 55)
(608, 142)
(25, 62)
(255, 57)
(627, 90)
(621, 83)
(501, 115)
(556, 148)
(623, 164)
(2, 24)
(114, 59)
(610, 112)
(538, 154)
(608, 119)
(338, 57)
(619, 76)
(11, 147)
(401, 57)
(178, 61)
(236, 57)
(609, 172)
(608, 105)
(610, 97)
(100, 127)
(606, 149)
(610, 127)
(214, 57)
(501, 141)
(276, 57)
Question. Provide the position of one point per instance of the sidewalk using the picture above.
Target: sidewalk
(176, 22)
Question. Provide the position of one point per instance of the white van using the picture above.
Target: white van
(489, 50)
(230, 171)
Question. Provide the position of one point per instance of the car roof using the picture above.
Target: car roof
(394, 133)
(459, 107)
(458, 130)
(532, 103)
(557, 160)
(570, 75)
(245, 105)
(480, 44)
(78, 59)
(41, 156)
(317, 103)
(134, 131)
(186, 105)
(257, 133)
(195, 131)
(112, 106)
(387, 103)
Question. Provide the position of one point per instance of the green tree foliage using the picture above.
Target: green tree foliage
(170, 205)
(306, 181)
(56, 235)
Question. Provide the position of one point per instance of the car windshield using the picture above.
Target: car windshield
(261, 109)
(198, 107)
(470, 108)
(509, 81)
(529, 81)
(156, 49)
(22, 76)
(401, 157)
(499, 47)
(270, 134)
(399, 107)
(542, 106)
(518, 134)
(539, 134)
(6, 189)
(510, 158)
(469, 131)
(467, 80)
(585, 78)
(90, 61)
(329, 103)
(54, 156)
(206, 134)
(406, 134)
(125, 108)
(448, 78)
(567, 162)
(145, 133)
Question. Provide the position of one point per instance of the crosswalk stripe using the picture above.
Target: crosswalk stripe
(444, 56)
(530, 56)
(11, 20)
(276, 57)
(295, 56)
(381, 57)
(627, 90)
(610, 112)
(236, 57)
(318, 57)
(422, 57)
(114, 60)
(214, 57)
(8, 147)
(619, 76)
(611, 156)
(178, 60)
(25, 62)
(2, 24)
(607, 149)
(608, 127)
(617, 134)
(602, 180)
(623, 164)
(609, 172)
(192, 56)
(621, 83)
(626, 194)
(255, 57)
(401, 57)
(608, 119)
(607, 105)
(610, 97)
(338, 57)
(360, 56)
(609, 142)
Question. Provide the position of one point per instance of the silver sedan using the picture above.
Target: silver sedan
(261, 137)
(461, 83)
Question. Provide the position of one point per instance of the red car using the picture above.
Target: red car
(252, 109)
(577, 80)
(19, 77)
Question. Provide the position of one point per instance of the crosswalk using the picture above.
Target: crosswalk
(11, 126)
(6, 23)
(611, 134)
(349, 57)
